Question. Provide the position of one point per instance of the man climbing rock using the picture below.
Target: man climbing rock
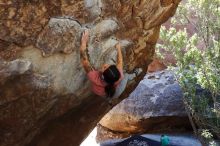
(104, 81)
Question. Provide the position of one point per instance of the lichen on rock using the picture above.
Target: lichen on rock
(60, 35)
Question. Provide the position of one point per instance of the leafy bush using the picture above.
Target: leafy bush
(198, 59)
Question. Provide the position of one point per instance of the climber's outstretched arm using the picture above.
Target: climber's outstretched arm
(120, 57)
(83, 55)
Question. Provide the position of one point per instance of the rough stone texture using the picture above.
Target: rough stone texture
(63, 35)
(44, 93)
(154, 106)
(156, 65)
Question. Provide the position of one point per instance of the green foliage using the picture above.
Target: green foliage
(206, 134)
(198, 58)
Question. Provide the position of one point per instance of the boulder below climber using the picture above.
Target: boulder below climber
(154, 106)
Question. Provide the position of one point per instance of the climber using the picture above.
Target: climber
(105, 80)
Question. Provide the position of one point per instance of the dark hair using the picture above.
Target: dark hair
(111, 75)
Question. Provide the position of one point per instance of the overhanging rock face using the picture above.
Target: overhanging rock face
(45, 97)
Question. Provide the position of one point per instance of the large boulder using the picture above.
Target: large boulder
(154, 106)
(45, 97)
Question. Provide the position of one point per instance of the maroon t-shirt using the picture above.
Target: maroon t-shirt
(98, 84)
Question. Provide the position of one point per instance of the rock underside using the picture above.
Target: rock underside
(45, 98)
